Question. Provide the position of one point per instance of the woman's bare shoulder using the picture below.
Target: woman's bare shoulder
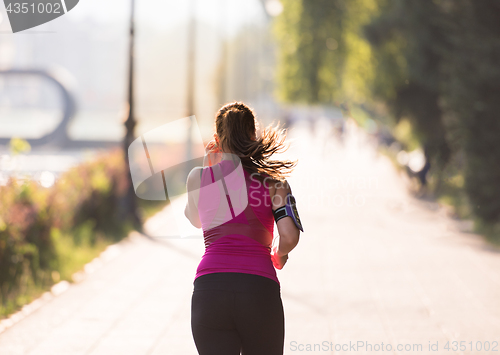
(194, 178)
(278, 187)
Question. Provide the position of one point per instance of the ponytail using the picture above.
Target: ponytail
(236, 129)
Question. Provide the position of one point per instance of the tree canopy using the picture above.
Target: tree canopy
(434, 63)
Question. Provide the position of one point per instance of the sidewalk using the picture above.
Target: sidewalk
(374, 266)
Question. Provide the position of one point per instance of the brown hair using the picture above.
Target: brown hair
(235, 127)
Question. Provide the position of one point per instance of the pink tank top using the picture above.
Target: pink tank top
(236, 239)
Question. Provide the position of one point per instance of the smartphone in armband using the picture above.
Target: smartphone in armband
(289, 210)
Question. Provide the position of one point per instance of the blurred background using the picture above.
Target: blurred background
(88, 52)
(419, 79)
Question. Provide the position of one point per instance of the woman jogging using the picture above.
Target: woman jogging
(236, 198)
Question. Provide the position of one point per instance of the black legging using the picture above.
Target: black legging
(233, 312)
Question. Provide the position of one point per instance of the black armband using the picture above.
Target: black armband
(289, 210)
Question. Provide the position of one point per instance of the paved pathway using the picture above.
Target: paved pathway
(375, 267)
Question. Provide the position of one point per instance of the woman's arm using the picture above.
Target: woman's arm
(288, 231)
(193, 190)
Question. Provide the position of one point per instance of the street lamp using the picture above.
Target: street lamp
(129, 205)
(191, 66)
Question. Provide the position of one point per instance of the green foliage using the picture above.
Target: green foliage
(76, 248)
(18, 146)
(404, 133)
(432, 64)
(409, 36)
(322, 57)
(55, 231)
(472, 94)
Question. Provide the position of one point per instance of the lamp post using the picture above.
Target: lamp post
(191, 78)
(129, 205)
(224, 56)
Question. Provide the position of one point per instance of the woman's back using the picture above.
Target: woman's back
(236, 216)
(236, 304)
